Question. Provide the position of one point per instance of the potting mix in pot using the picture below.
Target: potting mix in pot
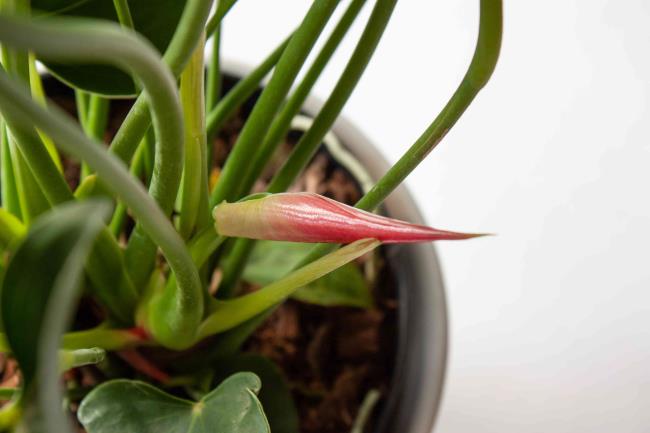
(176, 257)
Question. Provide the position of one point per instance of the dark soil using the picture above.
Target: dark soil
(331, 357)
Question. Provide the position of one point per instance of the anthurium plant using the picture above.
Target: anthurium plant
(141, 235)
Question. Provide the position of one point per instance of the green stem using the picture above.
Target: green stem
(10, 200)
(95, 123)
(232, 266)
(309, 142)
(78, 358)
(187, 34)
(242, 91)
(258, 123)
(223, 7)
(183, 309)
(214, 81)
(119, 216)
(81, 100)
(477, 76)
(104, 338)
(192, 94)
(124, 13)
(38, 93)
(282, 122)
(31, 197)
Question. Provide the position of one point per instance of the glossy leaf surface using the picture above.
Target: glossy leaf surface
(129, 406)
(275, 396)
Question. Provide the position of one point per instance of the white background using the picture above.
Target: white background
(550, 320)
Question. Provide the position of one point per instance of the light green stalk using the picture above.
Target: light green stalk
(194, 171)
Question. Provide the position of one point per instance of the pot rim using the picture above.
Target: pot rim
(417, 385)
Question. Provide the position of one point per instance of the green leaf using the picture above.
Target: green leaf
(344, 287)
(271, 260)
(128, 406)
(52, 256)
(275, 395)
(156, 20)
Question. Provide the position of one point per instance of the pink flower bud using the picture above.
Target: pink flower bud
(307, 217)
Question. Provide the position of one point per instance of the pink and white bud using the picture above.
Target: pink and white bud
(307, 217)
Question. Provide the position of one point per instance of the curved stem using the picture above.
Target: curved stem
(479, 72)
(176, 56)
(184, 308)
(259, 121)
(76, 40)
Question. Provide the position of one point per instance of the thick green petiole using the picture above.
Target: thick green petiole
(267, 105)
(96, 119)
(38, 93)
(477, 76)
(179, 50)
(214, 79)
(10, 200)
(194, 171)
(77, 358)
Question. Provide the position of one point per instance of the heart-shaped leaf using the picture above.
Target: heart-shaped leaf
(275, 395)
(156, 20)
(129, 406)
(272, 260)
